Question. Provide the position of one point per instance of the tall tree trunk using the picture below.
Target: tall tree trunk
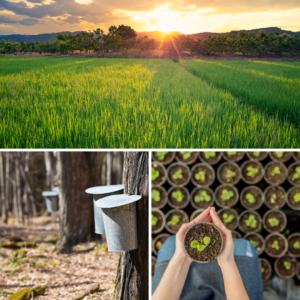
(108, 167)
(2, 196)
(49, 174)
(18, 187)
(119, 167)
(132, 276)
(7, 181)
(77, 171)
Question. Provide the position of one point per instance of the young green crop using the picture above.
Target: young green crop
(154, 220)
(177, 174)
(200, 246)
(287, 265)
(201, 175)
(297, 197)
(296, 245)
(227, 218)
(231, 153)
(279, 154)
(154, 173)
(226, 195)
(275, 171)
(256, 153)
(273, 222)
(178, 195)
(251, 199)
(161, 154)
(209, 154)
(255, 244)
(186, 155)
(156, 195)
(202, 197)
(251, 221)
(297, 174)
(230, 175)
(252, 171)
(275, 245)
(175, 220)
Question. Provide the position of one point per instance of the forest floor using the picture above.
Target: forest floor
(65, 275)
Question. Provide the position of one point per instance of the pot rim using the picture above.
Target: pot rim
(251, 158)
(188, 197)
(294, 156)
(187, 163)
(200, 210)
(212, 164)
(275, 186)
(236, 232)
(230, 160)
(276, 266)
(288, 240)
(236, 214)
(209, 167)
(288, 172)
(266, 167)
(270, 267)
(164, 163)
(163, 223)
(285, 244)
(164, 191)
(298, 270)
(262, 171)
(276, 159)
(161, 165)
(287, 198)
(218, 188)
(268, 212)
(243, 192)
(156, 239)
(222, 165)
(171, 211)
(253, 212)
(262, 238)
(195, 189)
(168, 171)
(222, 239)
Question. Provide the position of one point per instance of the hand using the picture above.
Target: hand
(205, 216)
(228, 247)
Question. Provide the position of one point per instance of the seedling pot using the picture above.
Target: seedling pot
(161, 179)
(243, 217)
(220, 242)
(202, 204)
(211, 160)
(169, 157)
(222, 176)
(175, 228)
(186, 174)
(161, 220)
(291, 168)
(189, 161)
(279, 192)
(290, 198)
(257, 238)
(196, 213)
(234, 158)
(51, 200)
(163, 197)
(161, 237)
(286, 156)
(298, 270)
(236, 234)
(276, 179)
(232, 225)
(282, 243)
(292, 239)
(280, 269)
(228, 203)
(277, 214)
(263, 155)
(100, 192)
(119, 217)
(265, 264)
(258, 195)
(296, 156)
(209, 176)
(176, 204)
(257, 178)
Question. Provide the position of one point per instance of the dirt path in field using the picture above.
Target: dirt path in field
(65, 275)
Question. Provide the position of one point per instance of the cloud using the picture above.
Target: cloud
(26, 21)
(6, 29)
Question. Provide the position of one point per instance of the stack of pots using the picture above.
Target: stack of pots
(256, 194)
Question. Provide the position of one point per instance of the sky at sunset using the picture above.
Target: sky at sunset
(186, 16)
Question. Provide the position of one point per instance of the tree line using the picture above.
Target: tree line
(124, 38)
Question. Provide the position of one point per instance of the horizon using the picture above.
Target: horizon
(33, 17)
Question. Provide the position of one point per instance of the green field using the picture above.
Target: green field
(55, 102)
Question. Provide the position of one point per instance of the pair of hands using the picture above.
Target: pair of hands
(208, 215)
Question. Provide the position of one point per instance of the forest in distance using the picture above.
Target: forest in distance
(124, 38)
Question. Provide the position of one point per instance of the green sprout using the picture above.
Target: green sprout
(209, 154)
(297, 174)
(279, 154)
(177, 174)
(178, 195)
(287, 265)
(297, 197)
(202, 245)
(226, 195)
(296, 245)
(161, 154)
(262, 270)
(156, 195)
(250, 198)
(252, 171)
(286, 232)
(256, 154)
(154, 220)
(273, 198)
(186, 155)
(154, 173)
(228, 218)
(255, 244)
(200, 175)
(175, 220)
(251, 222)
(275, 245)
(273, 222)
(230, 175)
(275, 171)
(203, 196)
(231, 153)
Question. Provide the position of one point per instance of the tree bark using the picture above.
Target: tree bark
(49, 171)
(3, 201)
(108, 167)
(19, 207)
(132, 276)
(7, 181)
(77, 171)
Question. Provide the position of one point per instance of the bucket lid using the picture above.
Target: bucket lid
(116, 200)
(49, 193)
(105, 189)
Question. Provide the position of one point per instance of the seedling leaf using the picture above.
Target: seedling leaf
(177, 174)
(154, 173)
(226, 195)
(178, 195)
(203, 196)
(252, 171)
(200, 175)
(297, 174)
(161, 154)
(186, 155)
(154, 220)
(209, 154)
(287, 265)
(194, 244)
(275, 245)
(297, 197)
(250, 198)
(156, 195)
(273, 222)
(296, 245)
(255, 244)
